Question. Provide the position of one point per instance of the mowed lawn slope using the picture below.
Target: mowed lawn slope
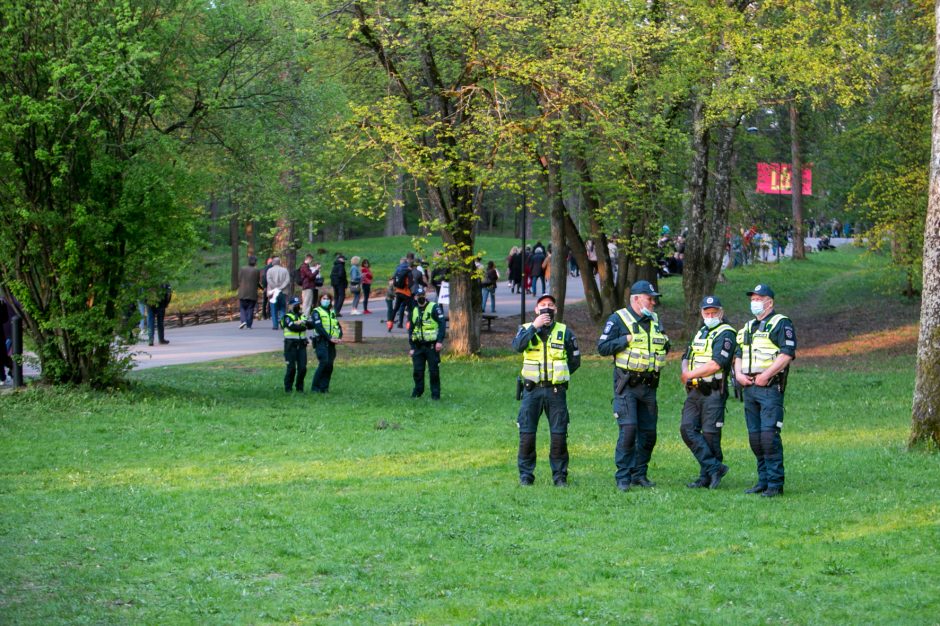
(205, 495)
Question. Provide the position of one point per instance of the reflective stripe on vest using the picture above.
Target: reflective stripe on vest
(288, 333)
(701, 352)
(423, 325)
(758, 352)
(328, 321)
(646, 351)
(546, 362)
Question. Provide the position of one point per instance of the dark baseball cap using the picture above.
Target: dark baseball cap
(545, 296)
(710, 302)
(419, 291)
(294, 300)
(761, 290)
(643, 287)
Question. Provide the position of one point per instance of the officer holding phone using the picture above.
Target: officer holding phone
(550, 355)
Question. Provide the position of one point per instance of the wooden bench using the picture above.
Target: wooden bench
(488, 318)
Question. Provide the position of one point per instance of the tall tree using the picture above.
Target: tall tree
(102, 106)
(925, 424)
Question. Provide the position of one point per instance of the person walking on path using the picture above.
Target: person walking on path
(766, 346)
(278, 284)
(339, 283)
(550, 354)
(249, 279)
(295, 346)
(367, 279)
(355, 283)
(156, 310)
(426, 340)
(634, 337)
(490, 281)
(309, 278)
(327, 333)
(705, 369)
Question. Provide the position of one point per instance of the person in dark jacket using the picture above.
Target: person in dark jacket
(249, 279)
(156, 310)
(295, 327)
(339, 283)
(535, 266)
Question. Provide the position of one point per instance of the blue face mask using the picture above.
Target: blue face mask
(711, 322)
(646, 312)
(757, 307)
(325, 303)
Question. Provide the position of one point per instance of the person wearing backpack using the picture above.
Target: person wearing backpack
(401, 282)
(339, 283)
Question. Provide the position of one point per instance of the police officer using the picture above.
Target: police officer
(327, 333)
(705, 370)
(426, 339)
(295, 345)
(766, 345)
(634, 337)
(550, 355)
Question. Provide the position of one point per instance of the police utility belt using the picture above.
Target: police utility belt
(530, 385)
(705, 387)
(630, 378)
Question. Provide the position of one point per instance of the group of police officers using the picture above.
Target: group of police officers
(758, 356)
(425, 338)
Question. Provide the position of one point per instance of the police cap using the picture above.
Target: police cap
(710, 302)
(641, 287)
(761, 290)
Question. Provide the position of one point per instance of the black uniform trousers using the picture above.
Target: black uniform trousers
(552, 400)
(295, 356)
(637, 413)
(703, 417)
(763, 414)
(326, 355)
(425, 353)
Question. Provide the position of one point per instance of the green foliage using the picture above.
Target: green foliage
(104, 113)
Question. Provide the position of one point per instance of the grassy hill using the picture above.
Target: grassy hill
(204, 494)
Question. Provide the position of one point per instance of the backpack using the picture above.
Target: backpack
(298, 278)
(400, 279)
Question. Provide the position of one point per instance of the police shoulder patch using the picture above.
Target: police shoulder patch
(727, 344)
(788, 332)
(608, 327)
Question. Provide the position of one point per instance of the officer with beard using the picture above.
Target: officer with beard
(634, 337)
(550, 355)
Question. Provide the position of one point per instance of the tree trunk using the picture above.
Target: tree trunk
(250, 236)
(213, 217)
(925, 417)
(395, 218)
(557, 215)
(234, 243)
(796, 183)
(696, 269)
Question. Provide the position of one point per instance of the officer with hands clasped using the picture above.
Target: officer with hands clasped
(295, 327)
(327, 333)
(550, 355)
(426, 339)
(766, 345)
(705, 369)
(634, 337)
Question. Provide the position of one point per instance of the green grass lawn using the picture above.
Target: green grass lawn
(205, 495)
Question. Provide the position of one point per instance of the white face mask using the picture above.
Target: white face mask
(757, 307)
(711, 322)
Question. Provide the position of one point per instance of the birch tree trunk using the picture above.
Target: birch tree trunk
(925, 418)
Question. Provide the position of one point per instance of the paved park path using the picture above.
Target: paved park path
(210, 342)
